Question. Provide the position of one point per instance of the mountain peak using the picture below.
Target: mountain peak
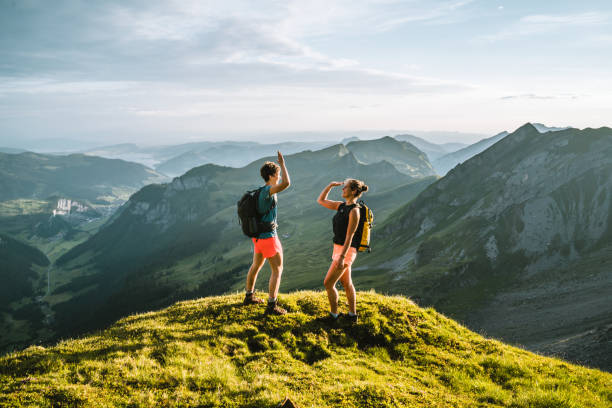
(527, 127)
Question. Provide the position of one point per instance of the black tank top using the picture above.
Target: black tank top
(341, 222)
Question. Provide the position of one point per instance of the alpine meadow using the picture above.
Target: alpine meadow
(364, 204)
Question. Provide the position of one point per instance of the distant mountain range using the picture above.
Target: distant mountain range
(446, 162)
(402, 155)
(516, 241)
(233, 154)
(175, 160)
(76, 176)
(10, 150)
(432, 150)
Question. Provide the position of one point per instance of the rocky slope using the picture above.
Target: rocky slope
(524, 222)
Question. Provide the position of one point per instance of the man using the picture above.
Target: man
(267, 245)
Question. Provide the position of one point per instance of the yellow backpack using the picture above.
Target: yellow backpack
(366, 218)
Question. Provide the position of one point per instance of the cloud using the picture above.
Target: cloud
(543, 24)
(440, 12)
(211, 45)
(535, 96)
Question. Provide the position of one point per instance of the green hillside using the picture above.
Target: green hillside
(23, 279)
(38, 176)
(213, 352)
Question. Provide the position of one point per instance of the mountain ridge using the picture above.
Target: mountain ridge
(530, 204)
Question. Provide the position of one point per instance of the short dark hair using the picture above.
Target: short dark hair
(269, 169)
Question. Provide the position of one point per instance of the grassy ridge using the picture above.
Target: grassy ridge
(212, 352)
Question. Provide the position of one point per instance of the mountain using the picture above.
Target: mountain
(22, 274)
(403, 155)
(543, 128)
(348, 140)
(232, 154)
(432, 150)
(175, 160)
(47, 145)
(38, 176)
(448, 161)
(181, 240)
(516, 241)
(213, 352)
(11, 150)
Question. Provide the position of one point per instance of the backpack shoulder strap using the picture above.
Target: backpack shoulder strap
(257, 193)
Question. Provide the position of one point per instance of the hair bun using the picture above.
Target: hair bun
(364, 188)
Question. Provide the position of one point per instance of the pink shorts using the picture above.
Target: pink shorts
(268, 247)
(350, 255)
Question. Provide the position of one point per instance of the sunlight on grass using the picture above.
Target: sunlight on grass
(214, 352)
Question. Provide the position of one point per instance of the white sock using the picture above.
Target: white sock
(334, 315)
(352, 314)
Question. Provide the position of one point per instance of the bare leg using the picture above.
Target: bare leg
(333, 274)
(276, 266)
(258, 261)
(347, 282)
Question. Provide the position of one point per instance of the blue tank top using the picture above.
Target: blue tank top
(265, 206)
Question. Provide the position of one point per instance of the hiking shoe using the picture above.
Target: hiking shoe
(329, 319)
(275, 309)
(252, 300)
(348, 318)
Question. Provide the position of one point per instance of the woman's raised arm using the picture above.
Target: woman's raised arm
(332, 205)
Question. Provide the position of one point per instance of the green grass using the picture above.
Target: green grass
(213, 352)
(24, 206)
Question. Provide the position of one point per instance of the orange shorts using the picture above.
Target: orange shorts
(350, 255)
(268, 247)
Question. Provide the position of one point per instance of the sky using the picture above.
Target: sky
(173, 71)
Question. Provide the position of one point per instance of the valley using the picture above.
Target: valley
(495, 237)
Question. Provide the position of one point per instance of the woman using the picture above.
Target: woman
(346, 241)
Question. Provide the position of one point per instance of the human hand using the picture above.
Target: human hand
(281, 159)
(341, 262)
(336, 183)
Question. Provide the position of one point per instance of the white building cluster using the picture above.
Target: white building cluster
(65, 206)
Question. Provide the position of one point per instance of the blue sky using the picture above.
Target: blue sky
(161, 71)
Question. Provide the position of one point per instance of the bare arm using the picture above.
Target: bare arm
(331, 204)
(285, 180)
(350, 232)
